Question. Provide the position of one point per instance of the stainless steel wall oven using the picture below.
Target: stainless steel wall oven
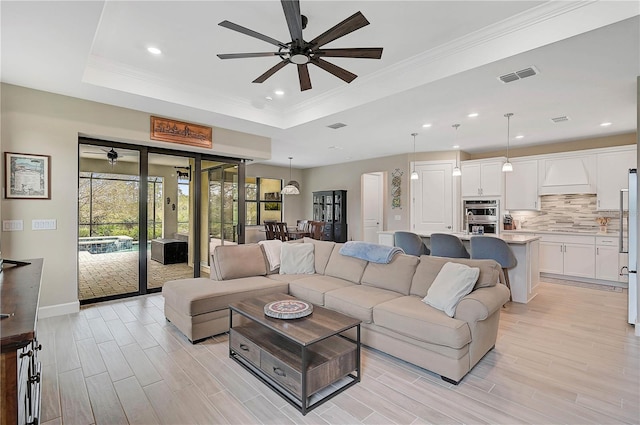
(482, 214)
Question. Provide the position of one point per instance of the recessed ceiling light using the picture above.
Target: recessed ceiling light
(456, 146)
(268, 98)
(605, 124)
(519, 136)
(154, 50)
(279, 92)
(426, 125)
(473, 115)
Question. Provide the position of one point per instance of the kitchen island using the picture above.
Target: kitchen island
(524, 277)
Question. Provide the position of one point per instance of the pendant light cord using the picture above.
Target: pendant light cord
(508, 115)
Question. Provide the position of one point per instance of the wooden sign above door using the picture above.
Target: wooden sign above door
(167, 130)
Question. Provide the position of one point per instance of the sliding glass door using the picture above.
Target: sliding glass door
(133, 237)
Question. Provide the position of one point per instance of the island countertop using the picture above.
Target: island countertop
(509, 238)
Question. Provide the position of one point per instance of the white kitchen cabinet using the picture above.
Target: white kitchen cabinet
(482, 178)
(607, 262)
(521, 186)
(568, 255)
(613, 175)
(567, 174)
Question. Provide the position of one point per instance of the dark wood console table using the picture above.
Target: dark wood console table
(20, 369)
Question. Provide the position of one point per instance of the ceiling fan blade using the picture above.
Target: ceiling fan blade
(294, 19)
(271, 71)
(341, 73)
(246, 55)
(352, 23)
(251, 33)
(303, 75)
(364, 53)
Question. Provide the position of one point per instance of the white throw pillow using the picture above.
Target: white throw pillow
(272, 248)
(297, 258)
(454, 281)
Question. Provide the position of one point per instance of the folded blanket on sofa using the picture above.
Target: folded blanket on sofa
(272, 248)
(370, 251)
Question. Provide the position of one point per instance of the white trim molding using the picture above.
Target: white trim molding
(58, 309)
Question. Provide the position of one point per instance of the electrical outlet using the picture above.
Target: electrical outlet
(12, 225)
(397, 217)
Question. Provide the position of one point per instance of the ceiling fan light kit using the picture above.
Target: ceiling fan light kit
(300, 52)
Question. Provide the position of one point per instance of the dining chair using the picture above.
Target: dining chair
(281, 231)
(410, 243)
(316, 230)
(447, 245)
(492, 248)
(270, 229)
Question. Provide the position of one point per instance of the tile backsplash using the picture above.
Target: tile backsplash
(568, 213)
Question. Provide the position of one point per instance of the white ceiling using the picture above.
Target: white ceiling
(440, 62)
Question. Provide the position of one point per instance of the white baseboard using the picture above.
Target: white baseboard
(58, 309)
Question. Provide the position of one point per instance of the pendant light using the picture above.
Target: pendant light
(507, 167)
(414, 173)
(112, 157)
(456, 171)
(293, 187)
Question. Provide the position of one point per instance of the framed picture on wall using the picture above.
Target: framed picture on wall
(27, 176)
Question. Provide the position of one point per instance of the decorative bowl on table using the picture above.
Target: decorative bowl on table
(288, 309)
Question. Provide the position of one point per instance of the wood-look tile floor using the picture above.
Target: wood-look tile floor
(567, 357)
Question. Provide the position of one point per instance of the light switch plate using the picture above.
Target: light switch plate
(12, 225)
(43, 224)
(397, 217)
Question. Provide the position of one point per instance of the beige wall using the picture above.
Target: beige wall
(49, 124)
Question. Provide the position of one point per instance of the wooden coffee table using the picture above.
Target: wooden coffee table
(304, 360)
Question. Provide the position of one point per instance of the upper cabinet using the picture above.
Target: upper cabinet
(613, 175)
(482, 178)
(521, 186)
(568, 174)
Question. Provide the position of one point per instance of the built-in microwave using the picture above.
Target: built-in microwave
(482, 214)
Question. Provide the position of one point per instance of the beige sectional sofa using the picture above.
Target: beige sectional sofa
(387, 298)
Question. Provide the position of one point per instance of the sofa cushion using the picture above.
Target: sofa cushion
(454, 281)
(357, 300)
(395, 276)
(343, 267)
(313, 288)
(322, 252)
(411, 317)
(201, 295)
(234, 261)
(297, 259)
(429, 268)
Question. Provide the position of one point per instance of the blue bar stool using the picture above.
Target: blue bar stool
(410, 243)
(492, 248)
(447, 245)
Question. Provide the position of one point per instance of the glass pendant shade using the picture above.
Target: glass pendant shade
(414, 175)
(456, 172)
(507, 167)
(293, 187)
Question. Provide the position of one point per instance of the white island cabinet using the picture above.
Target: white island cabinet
(524, 277)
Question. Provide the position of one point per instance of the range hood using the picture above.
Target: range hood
(567, 176)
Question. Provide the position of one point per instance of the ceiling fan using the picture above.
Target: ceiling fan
(300, 52)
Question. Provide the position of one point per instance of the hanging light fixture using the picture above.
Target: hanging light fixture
(507, 167)
(456, 171)
(414, 173)
(293, 187)
(112, 157)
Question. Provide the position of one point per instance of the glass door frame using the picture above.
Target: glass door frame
(143, 152)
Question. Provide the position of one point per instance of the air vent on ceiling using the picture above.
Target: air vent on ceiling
(560, 119)
(518, 75)
(337, 125)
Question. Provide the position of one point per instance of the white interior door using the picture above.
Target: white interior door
(372, 203)
(433, 198)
